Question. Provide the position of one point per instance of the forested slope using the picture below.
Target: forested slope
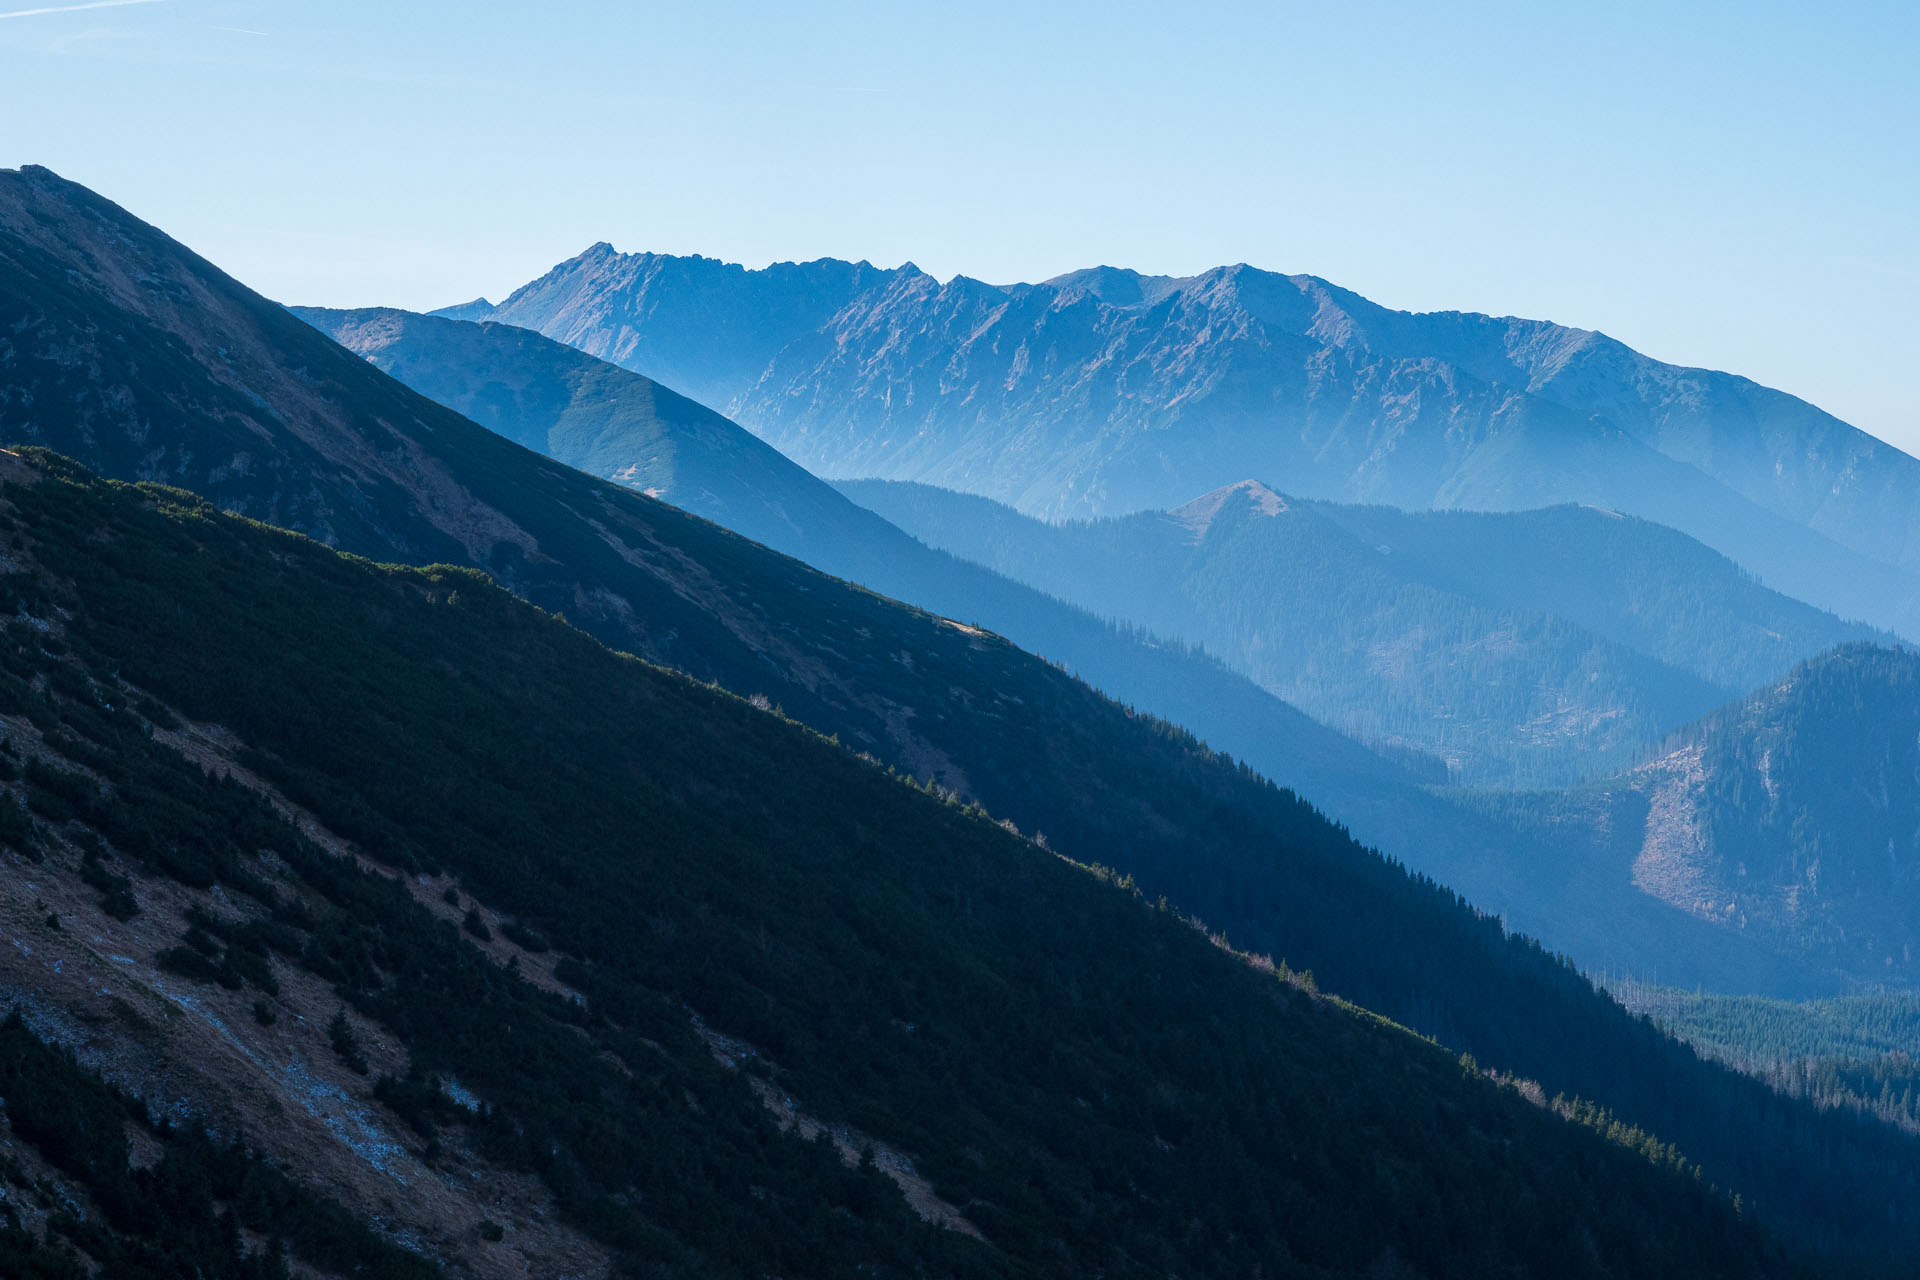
(1531, 648)
(755, 926)
(1791, 816)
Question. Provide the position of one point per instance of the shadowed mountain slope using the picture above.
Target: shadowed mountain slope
(1104, 392)
(740, 931)
(603, 420)
(965, 708)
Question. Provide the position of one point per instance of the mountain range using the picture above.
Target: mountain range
(606, 421)
(1531, 648)
(558, 399)
(617, 940)
(1104, 391)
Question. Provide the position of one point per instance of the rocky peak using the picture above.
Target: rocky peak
(1198, 516)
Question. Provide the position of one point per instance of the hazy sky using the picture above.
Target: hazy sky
(1732, 185)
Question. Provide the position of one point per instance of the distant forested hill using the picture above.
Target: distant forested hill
(1791, 817)
(1531, 648)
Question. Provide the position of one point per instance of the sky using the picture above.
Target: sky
(1735, 186)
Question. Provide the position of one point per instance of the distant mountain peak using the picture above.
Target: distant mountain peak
(1115, 286)
(478, 309)
(1198, 516)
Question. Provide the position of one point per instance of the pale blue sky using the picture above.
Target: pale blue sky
(1733, 185)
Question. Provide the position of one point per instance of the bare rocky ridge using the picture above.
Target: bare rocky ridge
(1198, 516)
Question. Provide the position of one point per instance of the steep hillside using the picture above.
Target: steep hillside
(126, 351)
(1790, 817)
(1104, 392)
(950, 705)
(719, 983)
(583, 410)
(608, 422)
(1532, 648)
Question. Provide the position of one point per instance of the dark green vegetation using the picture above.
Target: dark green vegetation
(178, 1218)
(1079, 1072)
(1754, 1031)
(1791, 817)
(1104, 391)
(970, 713)
(1527, 649)
(1852, 1052)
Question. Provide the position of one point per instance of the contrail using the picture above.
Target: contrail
(74, 8)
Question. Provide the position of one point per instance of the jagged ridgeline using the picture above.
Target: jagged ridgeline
(695, 932)
(1105, 391)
